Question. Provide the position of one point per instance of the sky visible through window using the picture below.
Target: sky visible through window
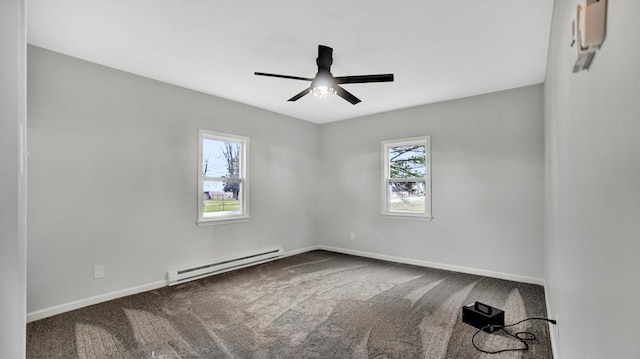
(214, 162)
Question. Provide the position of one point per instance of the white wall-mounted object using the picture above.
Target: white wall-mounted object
(588, 31)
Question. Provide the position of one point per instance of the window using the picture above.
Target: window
(223, 188)
(407, 177)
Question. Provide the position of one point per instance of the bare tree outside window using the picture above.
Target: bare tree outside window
(222, 180)
(231, 152)
(406, 179)
(407, 162)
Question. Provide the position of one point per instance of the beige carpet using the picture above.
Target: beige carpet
(313, 305)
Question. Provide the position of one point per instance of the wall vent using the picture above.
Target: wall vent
(183, 275)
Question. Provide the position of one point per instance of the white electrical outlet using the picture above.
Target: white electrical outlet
(353, 235)
(98, 271)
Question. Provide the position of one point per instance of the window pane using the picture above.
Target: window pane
(220, 158)
(221, 198)
(407, 197)
(407, 161)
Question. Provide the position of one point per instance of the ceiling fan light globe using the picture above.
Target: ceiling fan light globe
(323, 91)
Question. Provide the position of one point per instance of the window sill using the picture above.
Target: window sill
(409, 217)
(217, 222)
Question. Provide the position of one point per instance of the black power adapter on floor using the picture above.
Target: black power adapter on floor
(489, 319)
(483, 317)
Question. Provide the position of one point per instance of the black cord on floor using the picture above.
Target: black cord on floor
(523, 337)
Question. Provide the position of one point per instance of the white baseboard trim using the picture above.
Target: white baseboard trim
(59, 309)
(420, 263)
(300, 251)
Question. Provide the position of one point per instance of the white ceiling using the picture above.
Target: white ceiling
(438, 50)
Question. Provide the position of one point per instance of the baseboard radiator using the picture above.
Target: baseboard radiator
(179, 276)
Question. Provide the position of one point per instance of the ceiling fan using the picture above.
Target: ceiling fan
(324, 84)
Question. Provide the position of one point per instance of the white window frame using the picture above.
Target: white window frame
(386, 178)
(243, 178)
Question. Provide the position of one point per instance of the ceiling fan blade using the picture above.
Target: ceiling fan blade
(347, 95)
(283, 76)
(363, 79)
(324, 80)
(299, 95)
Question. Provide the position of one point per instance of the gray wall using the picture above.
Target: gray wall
(592, 188)
(12, 180)
(487, 183)
(113, 179)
